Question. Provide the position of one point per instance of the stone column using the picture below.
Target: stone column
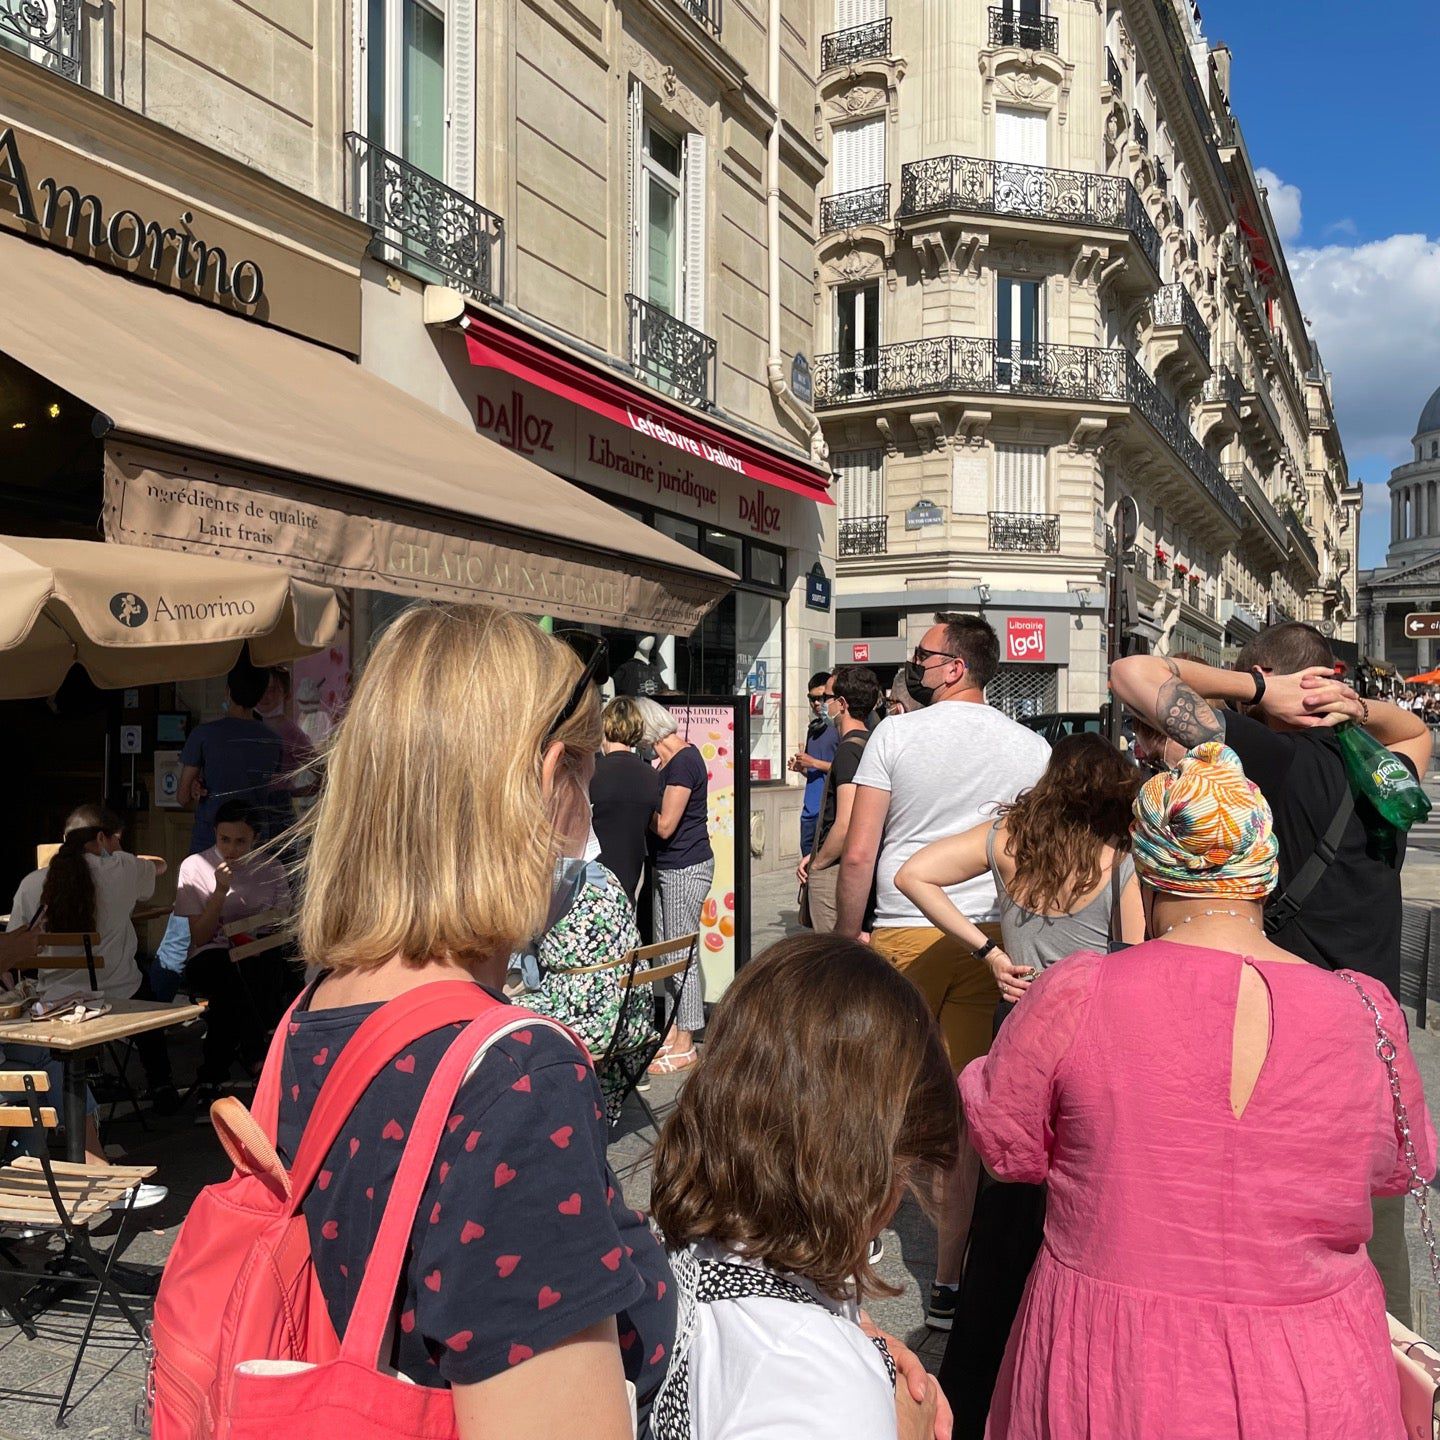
(1395, 507)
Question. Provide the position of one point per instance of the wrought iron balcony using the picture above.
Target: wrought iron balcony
(1162, 176)
(1141, 131)
(46, 31)
(870, 206)
(1245, 483)
(425, 221)
(1112, 71)
(971, 186)
(1174, 307)
(1017, 531)
(1009, 26)
(673, 356)
(705, 12)
(860, 42)
(864, 535)
(1301, 540)
(1223, 386)
(1319, 418)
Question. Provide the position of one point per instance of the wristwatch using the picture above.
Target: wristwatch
(986, 948)
(1259, 675)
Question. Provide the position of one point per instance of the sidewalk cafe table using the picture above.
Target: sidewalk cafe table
(72, 1043)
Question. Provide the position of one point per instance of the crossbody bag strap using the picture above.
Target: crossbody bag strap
(1284, 907)
(1419, 1190)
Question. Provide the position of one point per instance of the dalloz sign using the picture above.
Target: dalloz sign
(1025, 638)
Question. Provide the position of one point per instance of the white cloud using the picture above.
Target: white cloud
(1342, 227)
(1284, 204)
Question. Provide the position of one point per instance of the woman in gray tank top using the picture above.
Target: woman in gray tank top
(1060, 859)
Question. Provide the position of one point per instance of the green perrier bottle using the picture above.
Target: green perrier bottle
(1396, 796)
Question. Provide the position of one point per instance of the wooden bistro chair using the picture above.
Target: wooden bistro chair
(641, 969)
(41, 1195)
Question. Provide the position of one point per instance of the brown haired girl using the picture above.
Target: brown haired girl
(824, 1091)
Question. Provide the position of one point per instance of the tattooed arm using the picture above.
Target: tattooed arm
(1175, 696)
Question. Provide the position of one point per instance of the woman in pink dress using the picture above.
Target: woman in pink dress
(1212, 1118)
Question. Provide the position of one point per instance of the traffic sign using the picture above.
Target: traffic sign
(1422, 625)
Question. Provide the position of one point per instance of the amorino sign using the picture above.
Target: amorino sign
(63, 213)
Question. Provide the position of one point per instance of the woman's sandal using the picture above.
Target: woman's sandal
(669, 1061)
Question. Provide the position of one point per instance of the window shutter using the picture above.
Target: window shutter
(1020, 479)
(1020, 136)
(862, 483)
(849, 13)
(460, 102)
(696, 186)
(859, 156)
(636, 109)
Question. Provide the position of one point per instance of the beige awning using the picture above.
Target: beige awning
(315, 442)
(131, 616)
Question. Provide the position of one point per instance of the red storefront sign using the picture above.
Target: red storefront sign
(1025, 637)
(860, 654)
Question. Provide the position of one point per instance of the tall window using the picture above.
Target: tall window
(405, 82)
(849, 13)
(1020, 136)
(858, 156)
(662, 225)
(857, 333)
(1020, 479)
(1018, 321)
(862, 483)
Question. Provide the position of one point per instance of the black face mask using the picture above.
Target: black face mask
(920, 692)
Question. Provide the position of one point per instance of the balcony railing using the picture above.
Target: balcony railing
(704, 12)
(1014, 531)
(46, 31)
(1301, 540)
(864, 535)
(969, 185)
(1223, 388)
(965, 365)
(870, 206)
(1162, 177)
(673, 356)
(1030, 32)
(860, 42)
(1141, 131)
(1243, 479)
(1319, 419)
(1173, 306)
(425, 221)
(1112, 71)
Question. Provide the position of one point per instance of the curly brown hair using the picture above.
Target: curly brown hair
(1056, 830)
(823, 1091)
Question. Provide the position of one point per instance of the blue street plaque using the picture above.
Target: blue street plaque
(817, 588)
(801, 384)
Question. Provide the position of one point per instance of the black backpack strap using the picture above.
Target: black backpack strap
(1286, 906)
(718, 1280)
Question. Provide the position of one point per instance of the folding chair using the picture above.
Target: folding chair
(630, 1062)
(38, 1194)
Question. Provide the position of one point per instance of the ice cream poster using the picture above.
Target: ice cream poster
(711, 729)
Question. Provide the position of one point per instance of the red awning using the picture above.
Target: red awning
(497, 347)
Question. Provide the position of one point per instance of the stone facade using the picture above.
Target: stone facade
(1080, 297)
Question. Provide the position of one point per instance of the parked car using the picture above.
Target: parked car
(1070, 722)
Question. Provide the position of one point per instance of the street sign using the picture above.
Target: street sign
(1422, 625)
(801, 382)
(817, 588)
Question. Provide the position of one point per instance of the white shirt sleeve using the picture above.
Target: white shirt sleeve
(144, 875)
(821, 1377)
(874, 767)
(26, 903)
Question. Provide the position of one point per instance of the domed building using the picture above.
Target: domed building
(1409, 580)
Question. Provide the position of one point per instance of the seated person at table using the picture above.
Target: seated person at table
(92, 885)
(217, 887)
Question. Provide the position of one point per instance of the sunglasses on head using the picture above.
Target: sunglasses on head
(593, 651)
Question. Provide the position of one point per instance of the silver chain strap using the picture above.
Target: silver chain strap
(1385, 1049)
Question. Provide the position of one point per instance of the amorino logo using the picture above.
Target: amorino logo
(132, 611)
(66, 216)
(759, 514)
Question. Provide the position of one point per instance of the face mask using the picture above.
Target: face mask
(920, 692)
(647, 754)
(565, 888)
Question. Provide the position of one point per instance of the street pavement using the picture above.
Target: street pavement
(189, 1158)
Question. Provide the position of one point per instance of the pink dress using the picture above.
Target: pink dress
(1203, 1277)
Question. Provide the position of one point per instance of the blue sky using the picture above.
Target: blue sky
(1352, 147)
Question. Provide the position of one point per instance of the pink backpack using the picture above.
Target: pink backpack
(243, 1343)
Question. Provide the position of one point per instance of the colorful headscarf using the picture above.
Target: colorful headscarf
(1204, 829)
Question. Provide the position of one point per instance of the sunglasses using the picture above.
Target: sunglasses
(816, 699)
(921, 655)
(594, 652)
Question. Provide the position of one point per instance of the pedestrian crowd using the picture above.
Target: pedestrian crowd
(1123, 1025)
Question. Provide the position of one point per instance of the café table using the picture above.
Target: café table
(71, 1044)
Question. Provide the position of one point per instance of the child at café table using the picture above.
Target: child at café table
(216, 887)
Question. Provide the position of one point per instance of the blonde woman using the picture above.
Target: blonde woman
(684, 870)
(624, 795)
(435, 849)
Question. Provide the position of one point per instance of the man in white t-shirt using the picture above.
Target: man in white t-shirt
(933, 773)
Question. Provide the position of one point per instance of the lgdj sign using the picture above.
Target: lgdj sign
(1025, 638)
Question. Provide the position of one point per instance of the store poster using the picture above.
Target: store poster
(711, 729)
(320, 683)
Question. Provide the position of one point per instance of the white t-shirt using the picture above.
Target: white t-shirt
(764, 1369)
(122, 881)
(945, 768)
